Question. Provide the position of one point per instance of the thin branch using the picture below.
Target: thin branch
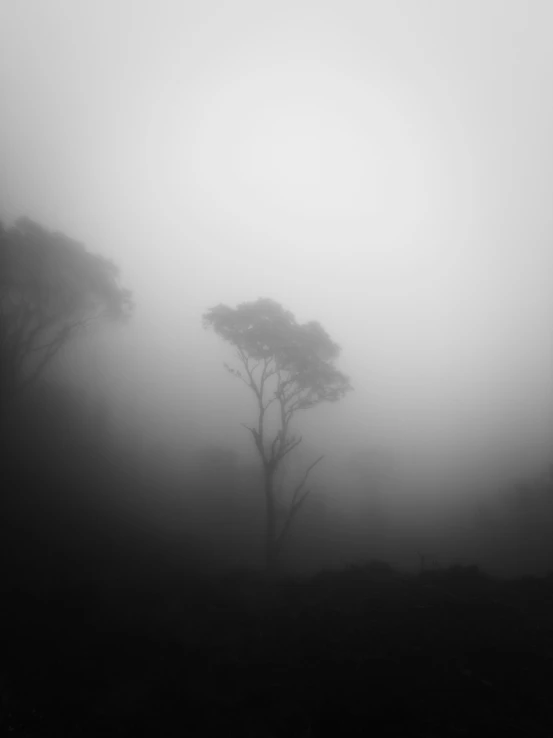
(262, 385)
(246, 363)
(66, 330)
(289, 413)
(276, 440)
(40, 327)
(304, 479)
(23, 347)
(283, 451)
(292, 512)
(258, 391)
(258, 441)
(236, 373)
(293, 393)
(248, 427)
(268, 404)
(267, 373)
(52, 349)
(45, 346)
(295, 505)
(32, 335)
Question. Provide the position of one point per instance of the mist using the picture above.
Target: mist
(383, 169)
(276, 361)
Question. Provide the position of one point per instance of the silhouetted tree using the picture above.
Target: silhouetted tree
(50, 287)
(290, 367)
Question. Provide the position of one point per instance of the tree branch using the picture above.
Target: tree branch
(258, 441)
(304, 480)
(292, 512)
(295, 505)
(266, 374)
(246, 363)
(292, 394)
(287, 447)
(268, 404)
(236, 373)
(24, 347)
(52, 349)
(258, 391)
(276, 439)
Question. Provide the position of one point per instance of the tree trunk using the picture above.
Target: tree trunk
(270, 532)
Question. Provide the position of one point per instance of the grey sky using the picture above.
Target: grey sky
(383, 167)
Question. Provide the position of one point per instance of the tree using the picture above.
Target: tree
(288, 367)
(50, 288)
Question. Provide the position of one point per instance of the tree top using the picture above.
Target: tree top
(264, 331)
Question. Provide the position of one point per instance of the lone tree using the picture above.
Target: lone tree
(290, 367)
(50, 287)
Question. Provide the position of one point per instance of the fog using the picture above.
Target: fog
(382, 168)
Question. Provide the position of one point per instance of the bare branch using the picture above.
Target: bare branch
(276, 440)
(33, 334)
(267, 372)
(242, 356)
(289, 413)
(25, 348)
(258, 438)
(236, 373)
(252, 383)
(295, 505)
(258, 391)
(65, 332)
(290, 446)
(304, 479)
(293, 393)
(292, 512)
(51, 350)
(268, 404)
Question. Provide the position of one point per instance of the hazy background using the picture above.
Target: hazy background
(384, 168)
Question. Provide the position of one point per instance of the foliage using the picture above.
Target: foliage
(50, 288)
(270, 344)
(264, 332)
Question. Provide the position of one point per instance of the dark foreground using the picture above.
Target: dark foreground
(361, 652)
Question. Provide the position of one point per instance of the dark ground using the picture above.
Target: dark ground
(104, 634)
(358, 652)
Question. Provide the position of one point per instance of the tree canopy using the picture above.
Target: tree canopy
(50, 287)
(300, 356)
